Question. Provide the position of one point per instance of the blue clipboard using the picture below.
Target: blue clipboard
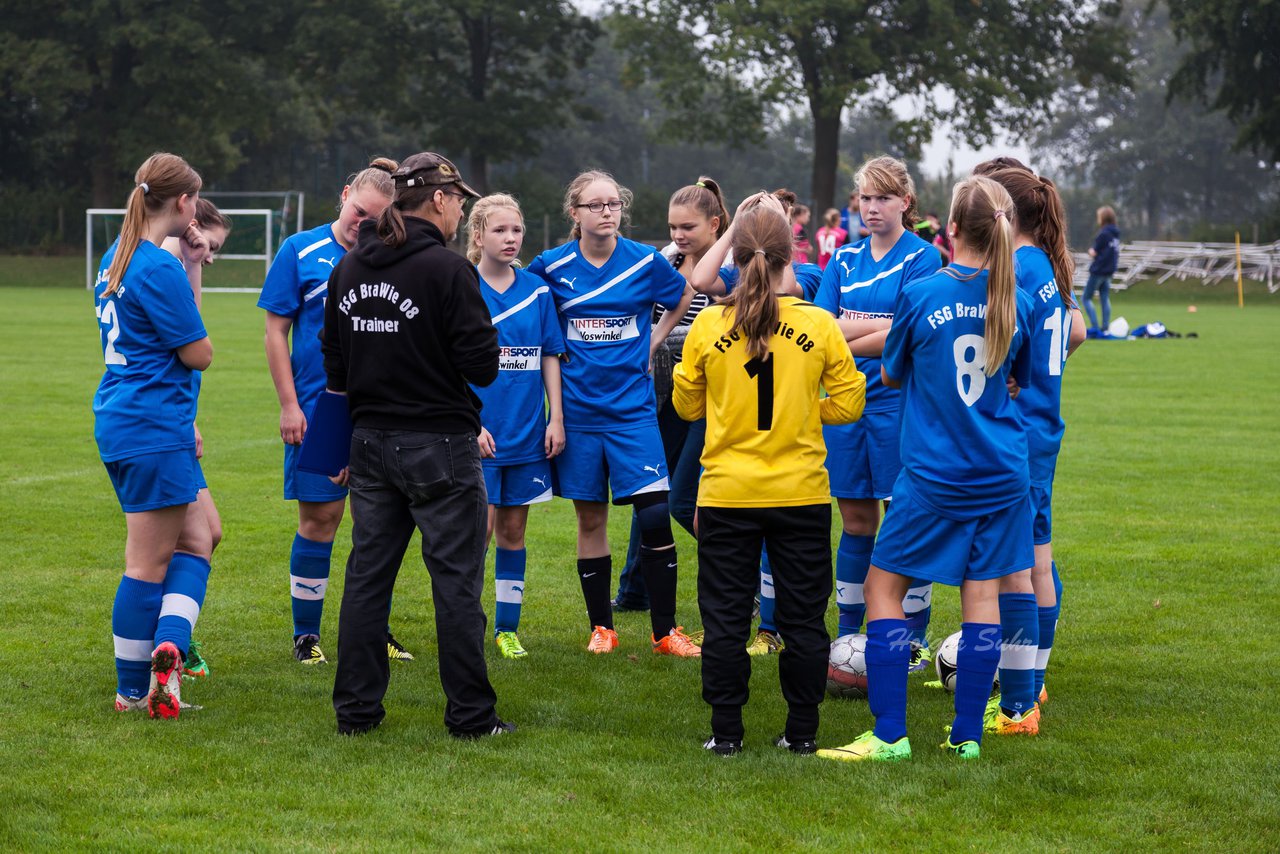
(326, 447)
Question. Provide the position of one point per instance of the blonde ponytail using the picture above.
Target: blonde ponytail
(981, 211)
(161, 177)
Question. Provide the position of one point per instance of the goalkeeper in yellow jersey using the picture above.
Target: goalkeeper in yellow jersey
(755, 366)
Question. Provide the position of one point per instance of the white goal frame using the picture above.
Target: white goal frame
(267, 214)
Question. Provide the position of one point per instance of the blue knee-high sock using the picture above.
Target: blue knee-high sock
(308, 581)
(976, 664)
(917, 605)
(508, 569)
(1019, 644)
(767, 602)
(853, 559)
(888, 651)
(184, 585)
(1048, 618)
(133, 630)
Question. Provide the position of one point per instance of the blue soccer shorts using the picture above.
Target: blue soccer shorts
(918, 543)
(154, 481)
(518, 484)
(1042, 514)
(307, 486)
(625, 462)
(862, 457)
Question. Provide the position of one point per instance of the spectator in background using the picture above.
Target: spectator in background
(830, 237)
(1105, 253)
(801, 247)
(851, 220)
(940, 238)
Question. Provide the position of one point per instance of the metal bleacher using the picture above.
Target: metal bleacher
(1209, 262)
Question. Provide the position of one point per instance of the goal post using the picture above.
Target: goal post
(258, 231)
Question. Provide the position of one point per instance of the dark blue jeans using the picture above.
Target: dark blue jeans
(1101, 285)
(682, 443)
(432, 482)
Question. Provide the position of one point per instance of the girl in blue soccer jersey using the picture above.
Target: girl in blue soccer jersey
(153, 340)
(196, 249)
(960, 505)
(293, 297)
(859, 286)
(1044, 272)
(519, 436)
(697, 217)
(605, 287)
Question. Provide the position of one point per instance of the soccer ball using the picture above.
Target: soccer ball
(847, 667)
(945, 660)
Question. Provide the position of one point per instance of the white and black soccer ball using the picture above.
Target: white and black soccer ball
(847, 667)
(945, 661)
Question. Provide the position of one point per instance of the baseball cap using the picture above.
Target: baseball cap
(426, 169)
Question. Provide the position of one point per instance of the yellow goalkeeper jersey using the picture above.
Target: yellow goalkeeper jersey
(764, 444)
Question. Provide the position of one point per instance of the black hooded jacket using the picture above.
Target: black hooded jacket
(405, 330)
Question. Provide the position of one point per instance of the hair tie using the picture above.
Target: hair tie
(999, 213)
(146, 188)
(761, 252)
(700, 184)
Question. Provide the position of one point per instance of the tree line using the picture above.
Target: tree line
(1167, 110)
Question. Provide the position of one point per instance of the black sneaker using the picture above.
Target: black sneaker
(500, 728)
(626, 607)
(396, 650)
(804, 747)
(344, 729)
(306, 649)
(723, 746)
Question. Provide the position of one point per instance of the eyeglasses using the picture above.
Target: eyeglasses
(461, 197)
(597, 207)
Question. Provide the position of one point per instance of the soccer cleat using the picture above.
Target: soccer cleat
(500, 728)
(965, 749)
(803, 747)
(626, 607)
(1044, 696)
(723, 746)
(195, 667)
(306, 648)
(602, 640)
(164, 700)
(867, 747)
(1027, 723)
(676, 643)
(509, 645)
(130, 704)
(396, 650)
(765, 643)
(695, 638)
(920, 659)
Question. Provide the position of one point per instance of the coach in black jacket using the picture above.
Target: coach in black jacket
(405, 331)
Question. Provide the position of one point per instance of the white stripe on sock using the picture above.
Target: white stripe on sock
(180, 605)
(510, 592)
(917, 599)
(312, 589)
(133, 650)
(1018, 656)
(849, 594)
(766, 585)
(1042, 657)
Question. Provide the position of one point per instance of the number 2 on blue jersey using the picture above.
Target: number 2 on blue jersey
(107, 317)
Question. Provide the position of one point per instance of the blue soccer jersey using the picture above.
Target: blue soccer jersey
(146, 402)
(605, 314)
(809, 277)
(513, 405)
(296, 287)
(963, 449)
(1049, 332)
(856, 285)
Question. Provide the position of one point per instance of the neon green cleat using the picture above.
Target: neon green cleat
(509, 645)
(965, 749)
(868, 747)
(920, 659)
(396, 650)
(195, 667)
(766, 643)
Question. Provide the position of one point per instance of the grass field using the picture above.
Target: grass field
(1160, 733)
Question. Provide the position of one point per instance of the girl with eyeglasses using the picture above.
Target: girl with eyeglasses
(605, 287)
